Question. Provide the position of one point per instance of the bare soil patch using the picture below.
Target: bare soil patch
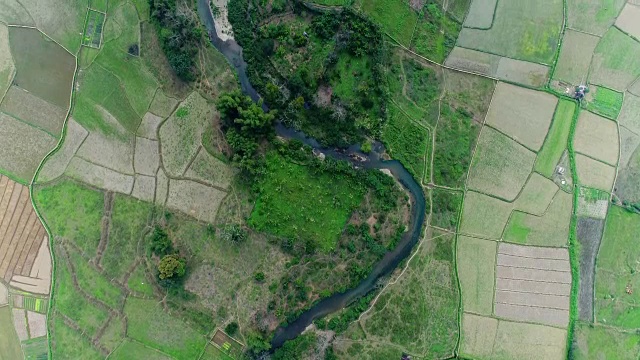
(597, 137)
(147, 157)
(529, 341)
(111, 152)
(629, 142)
(149, 126)
(20, 324)
(473, 60)
(211, 170)
(162, 188)
(590, 233)
(37, 324)
(478, 335)
(99, 176)
(144, 188)
(195, 199)
(476, 259)
(4, 295)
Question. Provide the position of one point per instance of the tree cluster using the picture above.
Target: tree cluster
(245, 125)
(179, 36)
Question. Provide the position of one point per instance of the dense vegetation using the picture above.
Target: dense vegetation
(179, 35)
(322, 72)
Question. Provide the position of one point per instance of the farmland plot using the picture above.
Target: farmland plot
(556, 141)
(194, 199)
(149, 126)
(592, 203)
(484, 215)
(93, 29)
(533, 284)
(593, 16)
(575, 57)
(476, 259)
(630, 113)
(605, 102)
(629, 142)
(42, 67)
(595, 174)
(9, 342)
(23, 147)
(147, 157)
(7, 68)
(62, 20)
(41, 114)
(522, 114)
(504, 68)
(589, 234)
(627, 21)
(213, 171)
(57, 164)
(500, 165)
(99, 176)
(488, 338)
(616, 272)
(597, 137)
(536, 195)
(110, 152)
(616, 61)
(481, 14)
(550, 229)
(396, 17)
(525, 31)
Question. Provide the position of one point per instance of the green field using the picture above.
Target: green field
(476, 259)
(395, 17)
(616, 61)
(407, 142)
(296, 204)
(92, 281)
(606, 102)
(599, 342)
(69, 344)
(435, 34)
(135, 350)
(556, 141)
(521, 30)
(150, 325)
(9, 342)
(445, 209)
(73, 212)
(617, 271)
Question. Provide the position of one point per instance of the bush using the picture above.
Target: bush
(160, 243)
(259, 277)
(171, 266)
(232, 328)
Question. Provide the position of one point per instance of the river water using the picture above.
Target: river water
(233, 52)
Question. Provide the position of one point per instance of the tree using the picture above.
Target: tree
(172, 266)
(232, 328)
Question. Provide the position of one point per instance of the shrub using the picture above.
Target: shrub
(160, 242)
(232, 328)
(172, 266)
(259, 276)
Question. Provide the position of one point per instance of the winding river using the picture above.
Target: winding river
(233, 52)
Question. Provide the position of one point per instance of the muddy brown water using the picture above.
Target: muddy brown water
(233, 52)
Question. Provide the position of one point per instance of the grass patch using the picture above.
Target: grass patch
(406, 142)
(73, 304)
(297, 204)
(446, 208)
(436, 33)
(134, 350)
(93, 282)
(151, 325)
(394, 16)
(556, 141)
(617, 279)
(73, 212)
(129, 219)
(139, 283)
(36, 349)
(598, 342)
(419, 313)
(605, 102)
(66, 343)
(113, 334)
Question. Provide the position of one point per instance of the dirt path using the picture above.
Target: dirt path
(106, 226)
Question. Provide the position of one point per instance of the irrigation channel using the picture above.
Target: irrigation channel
(233, 52)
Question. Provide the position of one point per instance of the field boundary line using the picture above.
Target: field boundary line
(13, 77)
(25, 122)
(37, 211)
(598, 160)
(582, 31)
